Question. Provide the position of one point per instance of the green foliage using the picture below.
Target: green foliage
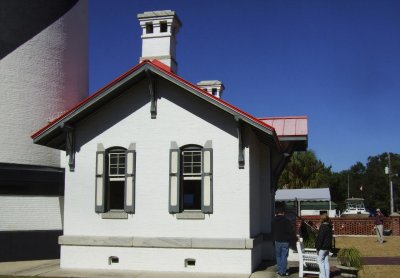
(310, 241)
(350, 257)
(305, 171)
(372, 178)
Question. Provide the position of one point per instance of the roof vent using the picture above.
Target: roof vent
(159, 37)
(213, 87)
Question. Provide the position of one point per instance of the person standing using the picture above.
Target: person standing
(283, 233)
(323, 244)
(379, 225)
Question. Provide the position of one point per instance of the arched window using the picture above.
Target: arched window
(191, 161)
(190, 178)
(115, 179)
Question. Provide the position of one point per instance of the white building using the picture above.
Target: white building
(167, 176)
(43, 73)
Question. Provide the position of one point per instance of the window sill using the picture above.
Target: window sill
(114, 214)
(191, 215)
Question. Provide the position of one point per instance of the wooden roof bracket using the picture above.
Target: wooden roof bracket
(69, 145)
(239, 128)
(153, 93)
(284, 160)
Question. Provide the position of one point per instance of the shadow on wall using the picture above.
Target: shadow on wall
(29, 245)
(36, 15)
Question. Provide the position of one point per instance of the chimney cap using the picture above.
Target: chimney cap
(210, 83)
(164, 13)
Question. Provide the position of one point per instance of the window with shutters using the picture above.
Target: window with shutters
(190, 179)
(115, 179)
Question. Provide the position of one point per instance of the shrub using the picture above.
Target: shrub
(350, 257)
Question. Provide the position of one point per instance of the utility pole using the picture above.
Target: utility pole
(388, 171)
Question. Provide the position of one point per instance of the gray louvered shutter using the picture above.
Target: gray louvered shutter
(207, 181)
(130, 172)
(174, 180)
(101, 181)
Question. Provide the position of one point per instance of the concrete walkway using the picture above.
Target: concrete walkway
(381, 260)
(51, 268)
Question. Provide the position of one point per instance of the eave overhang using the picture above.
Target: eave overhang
(292, 131)
(53, 135)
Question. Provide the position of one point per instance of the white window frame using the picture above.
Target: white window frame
(119, 176)
(186, 176)
(115, 177)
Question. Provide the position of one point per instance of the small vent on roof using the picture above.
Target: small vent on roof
(213, 87)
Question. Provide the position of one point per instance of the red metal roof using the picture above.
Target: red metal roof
(288, 126)
(158, 65)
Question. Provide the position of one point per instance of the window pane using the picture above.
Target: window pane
(117, 163)
(113, 170)
(191, 162)
(197, 169)
(113, 159)
(117, 194)
(191, 194)
(197, 157)
(187, 158)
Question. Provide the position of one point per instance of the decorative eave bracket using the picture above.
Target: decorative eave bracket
(283, 161)
(239, 128)
(69, 145)
(153, 94)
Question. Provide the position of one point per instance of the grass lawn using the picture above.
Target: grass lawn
(369, 247)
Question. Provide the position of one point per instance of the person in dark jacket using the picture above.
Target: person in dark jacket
(283, 233)
(323, 244)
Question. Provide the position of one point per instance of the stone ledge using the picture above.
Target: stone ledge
(116, 214)
(219, 243)
(95, 241)
(191, 215)
(162, 242)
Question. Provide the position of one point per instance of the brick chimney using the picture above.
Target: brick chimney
(159, 37)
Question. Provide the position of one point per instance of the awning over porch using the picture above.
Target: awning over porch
(306, 194)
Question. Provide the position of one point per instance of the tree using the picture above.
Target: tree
(378, 194)
(367, 181)
(305, 171)
(372, 179)
(348, 183)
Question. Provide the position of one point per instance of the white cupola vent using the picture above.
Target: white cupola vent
(213, 87)
(159, 29)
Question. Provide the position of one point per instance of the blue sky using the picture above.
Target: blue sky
(338, 62)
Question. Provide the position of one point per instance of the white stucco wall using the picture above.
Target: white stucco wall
(43, 77)
(181, 119)
(157, 259)
(260, 195)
